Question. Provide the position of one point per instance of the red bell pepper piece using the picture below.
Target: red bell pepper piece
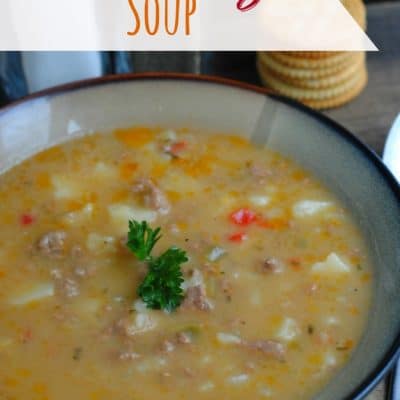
(177, 148)
(243, 217)
(27, 219)
(238, 237)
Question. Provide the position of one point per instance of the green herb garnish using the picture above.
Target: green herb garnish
(141, 239)
(161, 288)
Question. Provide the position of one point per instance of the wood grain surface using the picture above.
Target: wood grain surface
(372, 113)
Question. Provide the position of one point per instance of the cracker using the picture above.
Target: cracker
(343, 98)
(339, 60)
(296, 73)
(311, 54)
(314, 81)
(314, 95)
(357, 10)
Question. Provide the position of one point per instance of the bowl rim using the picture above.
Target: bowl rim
(389, 357)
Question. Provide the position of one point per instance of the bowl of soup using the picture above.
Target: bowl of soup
(169, 236)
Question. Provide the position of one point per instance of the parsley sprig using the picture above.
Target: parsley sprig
(161, 287)
(142, 239)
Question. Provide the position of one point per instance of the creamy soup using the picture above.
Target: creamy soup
(276, 287)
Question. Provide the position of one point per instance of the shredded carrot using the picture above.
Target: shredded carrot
(23, 372)
(39, 388)
(349, 344)
(10, 382)
(182, 225)
(354, 310)
(43, 180)
(195, 168)
(274, 223)
(238, 141)
(295, 263)
(366, 277)
(120, 195)
(90, 197)
(127, 170)
(158, 171)
(173, 196)
(315, 359)
(135, 137)
(74, 205)
(7, 218)
(52, 154)
(298, 176)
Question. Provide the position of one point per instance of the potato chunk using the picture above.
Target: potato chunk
(310, 208)
(288, 330)
(120, 214)
(105, 171)
(100, 244)
(333, 265)
(36, 292)
(80, 216)
(65, 187)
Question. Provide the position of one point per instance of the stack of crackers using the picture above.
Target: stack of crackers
(320, 80)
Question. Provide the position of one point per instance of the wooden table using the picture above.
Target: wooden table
(372, 113)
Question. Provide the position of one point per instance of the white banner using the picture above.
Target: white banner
(179, 25)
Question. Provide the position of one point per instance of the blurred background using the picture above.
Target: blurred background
(27, 72)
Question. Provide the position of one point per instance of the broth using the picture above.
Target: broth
(277, 285)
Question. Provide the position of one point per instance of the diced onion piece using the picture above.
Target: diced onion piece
(151, 364)
(206, 386)
(332, 265)
(180, 183)
(228, 338)
(120, 214)
(140, 306)
(310, 208)
(196, 279)
(255, 298)
(5, 342)
(216, 253)
(206, 359)
(142, 323)
(100, 244)
(259, 200)
(238, 379)
(89, 306)
(65, 187)
(168, 134)
(329, 360)
(77, 217)
(265, 391)
(288, 330)
(331, 320)
(104, 171)
(35, 293)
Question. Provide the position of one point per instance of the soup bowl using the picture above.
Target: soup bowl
(346, 166)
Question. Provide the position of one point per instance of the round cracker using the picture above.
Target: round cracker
(313, 95)
(315, 55)
(296, 73)
(339, 60)
(343, 98)
(318, 82)
(357, 10)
